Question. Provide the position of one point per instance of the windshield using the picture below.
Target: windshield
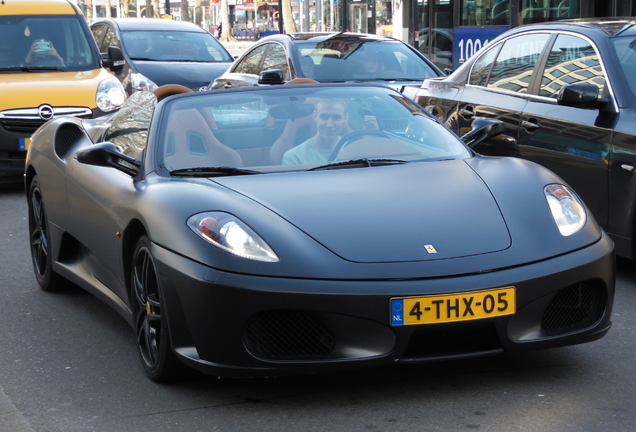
(173, 46)
(626, 50)
(45, 42)
(290, 128)
(346, 59)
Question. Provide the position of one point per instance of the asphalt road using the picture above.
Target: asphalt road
(68, 363)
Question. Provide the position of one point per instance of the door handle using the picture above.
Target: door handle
(467, 112)
(530, 125)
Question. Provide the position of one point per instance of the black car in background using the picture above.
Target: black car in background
(567, 93)
(331, 57)
(160, 51)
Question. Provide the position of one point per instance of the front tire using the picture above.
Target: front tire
(40, 240)
(151, 324)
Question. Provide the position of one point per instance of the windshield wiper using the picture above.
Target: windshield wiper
(358, 163)
(212, 171)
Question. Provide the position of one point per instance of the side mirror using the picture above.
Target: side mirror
(115, 59)
(482, 129)
(581, 95)
(107, 155)
(271, 77)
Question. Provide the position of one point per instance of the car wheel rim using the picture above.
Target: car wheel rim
(39, 236)
(149, 308)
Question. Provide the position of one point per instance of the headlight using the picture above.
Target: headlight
(110, 95)
(230, 234)
(568, 212)
(141, 83)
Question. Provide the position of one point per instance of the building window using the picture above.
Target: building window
(533, 11)
(485, 12)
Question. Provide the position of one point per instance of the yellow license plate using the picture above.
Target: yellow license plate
(453, 307)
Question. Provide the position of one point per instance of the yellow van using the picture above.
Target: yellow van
(49, 66)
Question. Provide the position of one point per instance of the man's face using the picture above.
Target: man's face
(330, 119)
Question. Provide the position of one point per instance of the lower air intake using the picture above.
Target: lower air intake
(287, 335)
(575, 307)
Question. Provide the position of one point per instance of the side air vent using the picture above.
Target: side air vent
(67, 136)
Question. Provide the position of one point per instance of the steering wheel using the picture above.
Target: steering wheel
(351, 137)
(170, 89)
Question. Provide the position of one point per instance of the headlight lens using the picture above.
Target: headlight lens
(232, 235)
(141, 83)
(110, 95)
(567, 210)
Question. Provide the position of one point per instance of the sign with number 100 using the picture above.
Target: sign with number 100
(469, 40)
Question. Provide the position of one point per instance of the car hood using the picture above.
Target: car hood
(416, 212)
(191, 75)
(27, 90)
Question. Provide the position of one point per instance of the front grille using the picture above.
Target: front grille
(12, 159)
(287, 335)
(28, 120)
(22, 126)
(574, 307)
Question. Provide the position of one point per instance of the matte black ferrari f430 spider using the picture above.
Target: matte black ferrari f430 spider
(305, 228)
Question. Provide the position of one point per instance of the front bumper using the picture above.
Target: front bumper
(241, 325)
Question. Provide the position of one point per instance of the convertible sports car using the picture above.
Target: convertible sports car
(380, 239)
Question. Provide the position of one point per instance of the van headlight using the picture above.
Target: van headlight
(110, 95)
(141, 83)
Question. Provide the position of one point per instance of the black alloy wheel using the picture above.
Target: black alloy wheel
(39, 239)
(153, 338)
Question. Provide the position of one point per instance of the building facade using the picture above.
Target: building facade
(447, 31)
(450, 31)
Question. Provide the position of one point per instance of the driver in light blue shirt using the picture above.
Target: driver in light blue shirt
(331, 119)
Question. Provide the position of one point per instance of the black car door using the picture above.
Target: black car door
(574, 142)
(498, 86)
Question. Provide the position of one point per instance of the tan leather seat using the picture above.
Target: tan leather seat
(195, 144)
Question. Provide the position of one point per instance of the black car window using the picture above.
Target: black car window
(626, 50)
(516, 60)
(482, 67)
(572, 60)
(251, 62)
(276, 58)
(110, 39)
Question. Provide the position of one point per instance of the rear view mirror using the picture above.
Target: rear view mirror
(580, 95)
(271, 77)
(483, 128)
(107, 155)
(115, 59)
